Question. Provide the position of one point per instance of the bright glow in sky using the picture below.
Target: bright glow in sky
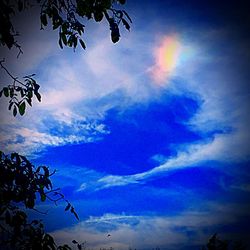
(166, 55)
(150, 136)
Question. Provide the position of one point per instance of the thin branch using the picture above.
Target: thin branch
(10, 75)
(51, 191)
(40, 212)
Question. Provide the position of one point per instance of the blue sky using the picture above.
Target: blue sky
(152, 148)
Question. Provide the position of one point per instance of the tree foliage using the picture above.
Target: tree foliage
(65, 16)
(21, 185)
(215, 243)
(20, 93)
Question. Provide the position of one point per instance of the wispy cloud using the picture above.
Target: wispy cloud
(226, 148)
(222, 118)
(149, 231)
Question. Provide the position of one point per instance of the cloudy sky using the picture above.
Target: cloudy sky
(150, 136)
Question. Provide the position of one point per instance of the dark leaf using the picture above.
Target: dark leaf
(38, 96)
(125, 23)
(67, 207)
(30, 203)
(60, 43)
(14, 111)
(74, 242)
(43, 18)
(43, 197)
(36, 86)
(46, 171)
(74, 39)
(76, 215)
(98, 15)
(29, 101)
(115, 35)
(22, 108)
(11, 92)
(11, 104)
(64, 39)
(82, 43)
(6, 91)
(126, 14)
(56, 25)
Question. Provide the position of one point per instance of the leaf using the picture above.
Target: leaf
(29, 93)
(30, 203)
(125, 23)
(38, 96)
(82, 43)
(43, 19)
(10, 106)
(115, 34)
(67, 207)
(22, 108)
(6, 91)
(74, 242)
(64, 39)
(29, 101)
(11, 92)
(126, 14)
(60, 43)
(43, 197)
(56, 25)
(46, 171)
(36, 86)
(72, 210)
(74, 41)
(98, 15)
(14, 111)
(76, 215)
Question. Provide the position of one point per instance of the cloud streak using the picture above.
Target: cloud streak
(191, 228)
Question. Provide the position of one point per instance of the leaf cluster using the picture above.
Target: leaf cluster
(67, 16)
(21, 184)
(20, 93)
(8, 9)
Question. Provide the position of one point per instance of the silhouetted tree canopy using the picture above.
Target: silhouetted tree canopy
(215, 243)
(21, 185)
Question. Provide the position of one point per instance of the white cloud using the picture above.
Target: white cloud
(74, 89)
(225, 148)
(147, 232)
(222, 117)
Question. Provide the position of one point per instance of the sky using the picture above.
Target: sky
(150, 136)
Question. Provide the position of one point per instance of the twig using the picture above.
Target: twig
(40, 212)
(10, 75)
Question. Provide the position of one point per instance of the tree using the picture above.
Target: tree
(21, 183)
(215, 243)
